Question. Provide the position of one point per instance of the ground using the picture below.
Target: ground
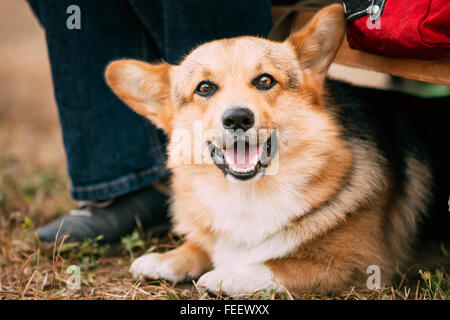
(34, 189)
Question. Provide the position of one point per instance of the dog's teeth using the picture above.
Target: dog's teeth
(243, 170)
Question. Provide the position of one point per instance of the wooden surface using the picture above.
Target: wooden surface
(436, 71)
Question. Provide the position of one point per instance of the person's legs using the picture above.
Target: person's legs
(111, 151)
(178, 26)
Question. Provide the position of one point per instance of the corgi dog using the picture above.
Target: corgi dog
(305, 184)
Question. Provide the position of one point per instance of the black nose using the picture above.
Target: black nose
(238, 118)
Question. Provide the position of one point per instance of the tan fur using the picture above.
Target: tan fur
(321, 217)
(189, 258)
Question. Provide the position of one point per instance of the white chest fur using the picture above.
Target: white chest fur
(253, 222)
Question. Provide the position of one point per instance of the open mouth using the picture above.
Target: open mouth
(242, 160)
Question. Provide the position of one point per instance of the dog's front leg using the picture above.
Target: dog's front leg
(238, 281)
(186, 262)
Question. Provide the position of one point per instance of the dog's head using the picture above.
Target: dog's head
(249, 98)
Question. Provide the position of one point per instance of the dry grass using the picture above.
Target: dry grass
(28, 271)
(34, 189)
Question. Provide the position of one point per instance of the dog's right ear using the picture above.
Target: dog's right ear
(144, 87)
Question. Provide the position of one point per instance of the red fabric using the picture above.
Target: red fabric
(407, 28)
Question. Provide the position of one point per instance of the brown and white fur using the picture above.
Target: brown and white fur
(330, 211)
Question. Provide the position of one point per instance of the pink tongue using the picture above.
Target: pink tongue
(243, 156)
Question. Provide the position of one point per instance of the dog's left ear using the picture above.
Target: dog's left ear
(144, 87)
(317, 43)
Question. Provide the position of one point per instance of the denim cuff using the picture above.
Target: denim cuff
(119, 186)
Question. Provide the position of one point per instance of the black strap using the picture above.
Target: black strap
(355, 9)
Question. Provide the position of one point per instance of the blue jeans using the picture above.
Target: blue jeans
(110, 149)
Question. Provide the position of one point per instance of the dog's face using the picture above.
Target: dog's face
(249, 98)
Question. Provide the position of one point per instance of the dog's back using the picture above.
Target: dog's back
(403, 126)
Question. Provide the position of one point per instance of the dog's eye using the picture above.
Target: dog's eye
(264, 82)
(205, 89)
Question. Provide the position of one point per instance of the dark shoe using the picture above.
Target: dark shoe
(113, 219)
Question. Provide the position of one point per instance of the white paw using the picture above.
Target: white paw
(239, 281)
(151, 266)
